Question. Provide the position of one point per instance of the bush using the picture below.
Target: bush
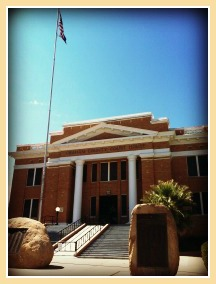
(177, 198)
(204, 253)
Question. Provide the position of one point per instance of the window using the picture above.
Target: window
(85, 173)
(124, 205)
(200, 200)
(31, 208)
(113, 171)
(104, 171)
(34, 177)
(192, 167)
(109, 171)
(93, 206)
(123, 170)
(197, 165)
(94, 172)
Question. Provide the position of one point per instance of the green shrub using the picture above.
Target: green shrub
(204, 253)
(177, 198)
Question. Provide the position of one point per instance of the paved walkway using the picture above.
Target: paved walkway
(67, 265)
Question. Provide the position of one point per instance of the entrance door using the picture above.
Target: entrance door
(108, 209)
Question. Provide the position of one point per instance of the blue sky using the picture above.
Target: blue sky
(116, 62)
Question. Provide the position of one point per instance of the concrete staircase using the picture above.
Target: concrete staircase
(112, 244)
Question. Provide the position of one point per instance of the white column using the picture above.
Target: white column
(78, 190)
(132, 183)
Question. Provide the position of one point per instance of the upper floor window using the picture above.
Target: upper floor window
(109, 171)
(197, 165)
(34, 177)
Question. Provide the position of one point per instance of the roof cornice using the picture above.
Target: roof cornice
(37, 150)
(52, 148)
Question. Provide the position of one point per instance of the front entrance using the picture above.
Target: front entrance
(108, 210)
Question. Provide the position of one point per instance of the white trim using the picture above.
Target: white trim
(30, 211)
(160, 137)
(57, 132)
(160, 120)
(162, 152)
(189, 153)
(34, 176)
(149, 153)
(29, 154)
(93, 157)
(197, 165)
(38, 151)
(189, 139)
(108, 171)
(142, 153)
(28, 166)
(100, 143)
(105, 128)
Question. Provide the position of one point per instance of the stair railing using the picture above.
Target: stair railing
(87, 237)
(70, 228)
(74, 246)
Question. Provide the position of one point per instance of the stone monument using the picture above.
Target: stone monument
(153, 241)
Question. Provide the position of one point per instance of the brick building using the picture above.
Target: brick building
(100, 169)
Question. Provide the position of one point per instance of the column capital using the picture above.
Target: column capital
(79, 162)
(132, 157)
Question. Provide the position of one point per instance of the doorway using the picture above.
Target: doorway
(108, 210)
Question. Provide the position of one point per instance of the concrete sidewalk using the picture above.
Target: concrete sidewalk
(67, 265)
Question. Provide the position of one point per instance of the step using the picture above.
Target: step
(112, 244)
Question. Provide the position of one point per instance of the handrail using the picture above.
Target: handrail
(71, 227)
(75, 245)
(88, 236)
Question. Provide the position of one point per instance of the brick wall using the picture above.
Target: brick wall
(189, 147)
(17, 194)
(180, 174)
(59, 192)
(162, 169)
(32, 161)
(147, 174)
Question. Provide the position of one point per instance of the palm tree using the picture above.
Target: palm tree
(177, 198)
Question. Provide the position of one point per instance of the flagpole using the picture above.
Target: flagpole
(48, 125)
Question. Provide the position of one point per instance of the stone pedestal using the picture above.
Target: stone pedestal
(153, 242)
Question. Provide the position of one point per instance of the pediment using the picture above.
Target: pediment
(103, 131)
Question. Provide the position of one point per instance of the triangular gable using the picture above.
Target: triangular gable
(116, 130)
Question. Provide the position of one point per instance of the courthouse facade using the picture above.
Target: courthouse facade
(100, 169)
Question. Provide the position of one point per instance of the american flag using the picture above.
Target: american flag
(61, 28)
